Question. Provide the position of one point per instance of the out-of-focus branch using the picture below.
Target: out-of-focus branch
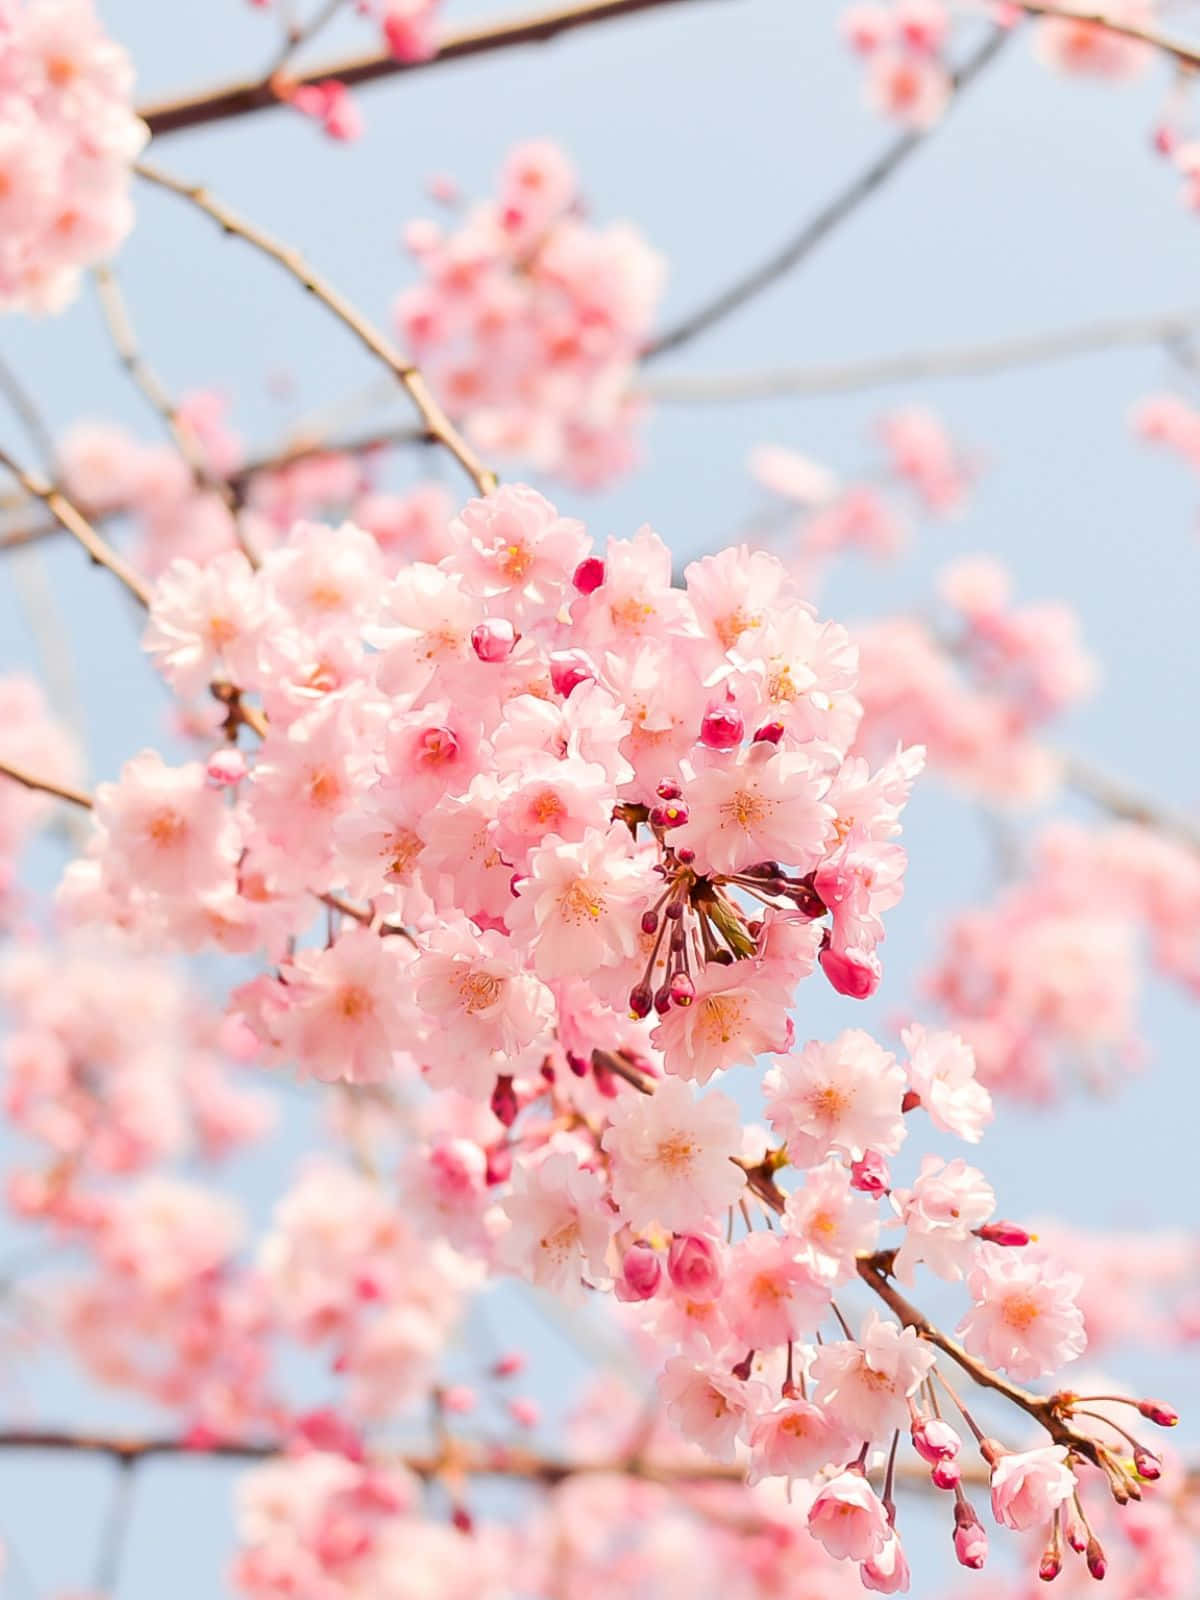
(229, 100)
(69, 517)
(1121, 799)
(30, 780)
(822, 224)
(437, 423)
(144, 378)
(1187, 55)
(956, 361)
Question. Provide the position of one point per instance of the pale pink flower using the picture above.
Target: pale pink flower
(867, 1383)
(738, 1012)
(833, 1220)
(578, 908)
(767, 805)
(560, 1225)
(672, 1156)
(165, 831)
(796, 1440)
(205, 623)
(848, 1518)
(842, 1097)
(915, 89)
(1025, 1317)
(941, 1069)
(940, 1213)
(771, 1293)
(1028, 1486)
(514, 550)
(349, 1007)
(708, 1406)
(888, 1572)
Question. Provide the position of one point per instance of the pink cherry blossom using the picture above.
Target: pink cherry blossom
(1025, 1317)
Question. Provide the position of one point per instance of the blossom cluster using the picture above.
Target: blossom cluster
(68, 135)
(529, 320)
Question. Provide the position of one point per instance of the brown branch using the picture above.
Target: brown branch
(230, 100)
(437, 423)
(960, 361)
(1186, 55)
(822, 224)
(874, 1271)
(1121, 800)
(69, 517)
(60, 791)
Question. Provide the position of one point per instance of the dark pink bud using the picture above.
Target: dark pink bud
(1077, 1535)
(945, 1474)
(671, 815)
(668, 789)
(662, 1000)
(683, 990)
(1009, 1233)
(870, 1174)
(1050, 1566)
(1097, 1565)
(694, 1266)
(855, 973)
(641, 1001)
(970, 1540)
(605, 1081)
(461, 1518)
(649, 922)
(910, 1102)
(721, 728)
(509, 1365)
(1156, 1411)
(568, 669)
(935, 1440)
(685, 855)
(494, 639)
(504, 1102)
(577, 1063)
(225, 768)
(1148, 1466)
(641, 1272)
(589, 575)
(499, 1164)
(769, 733)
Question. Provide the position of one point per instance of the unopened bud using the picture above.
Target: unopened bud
(685, 855)
(605, 1081)
(870, 1175)
(499, 1165)
(504, 1102)
(1076, 1535)
(494, 639)
(668, 789)
(722, 727)
(671, 815)
(461, 1518)
(970, 1540)
(1007, 1233)
(683, 990)
(935, 1440)
(568, 669)
(1097, 1564)
(911, 1101)
(641, 1001)
(694, 1266)
(742, 1369)
(769, 733)
(589, 575)
(662, 1000)
(945, 1475)
(225, 768)
(1050, 1566)
(1155, 1411)
(1148, 1466)
(641, 1273)
(854, 973)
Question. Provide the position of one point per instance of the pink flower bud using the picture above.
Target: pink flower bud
(462, 1520)
(769, 733)
(589, 575)
(1050, 1566)
(525, 1411)
(694, 1266)
(683, 990)
(935, 1440)
(641, 1001)
(568, 669)
(437, 746)
(855, 973)
(1148, 1466)
(970, 1540)
(1097, 1565)
(1155, 1411)
(672, 815)
(1009, 1233)
(870, 1174)
(721, 728)
(668, 789)
(504, 1102)
(945, 1475)
(1076, 1535)
(499, 1164)
(685, 855)
(494, 639)
(225, 768)
(641, 1273)
(508, 1365)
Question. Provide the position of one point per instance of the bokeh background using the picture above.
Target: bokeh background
(715, 128)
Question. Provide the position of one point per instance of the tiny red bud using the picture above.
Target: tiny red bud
(911, 1101)
(641, 1000)
(672, 815)
(685, 855)
(1006, 1233)
(568, 669)
(641, 1273)
(870, 1175)
(852, 973)
(1148, 1466)
(494, 639)
(945, 1475)
(504, 1102)
(769, 733)
(589, 575)
(683, 990)
(499, 1164)
(461, 1518)
(1077, 1536)
(1097, 1565)
(1050, 1567)
(668, 789)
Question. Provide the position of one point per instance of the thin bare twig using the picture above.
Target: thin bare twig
(69, 517)
(956, 361)
(229, 100)
(145, 379)
(437, 423)
(30, 780)
(821, 225)
(1187, 55)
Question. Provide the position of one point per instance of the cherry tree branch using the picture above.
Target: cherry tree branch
(60, 791)
(1187, 55)
(955, 361)
(437, 423)
(822, 224)
(70, 518)
(239, 99)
